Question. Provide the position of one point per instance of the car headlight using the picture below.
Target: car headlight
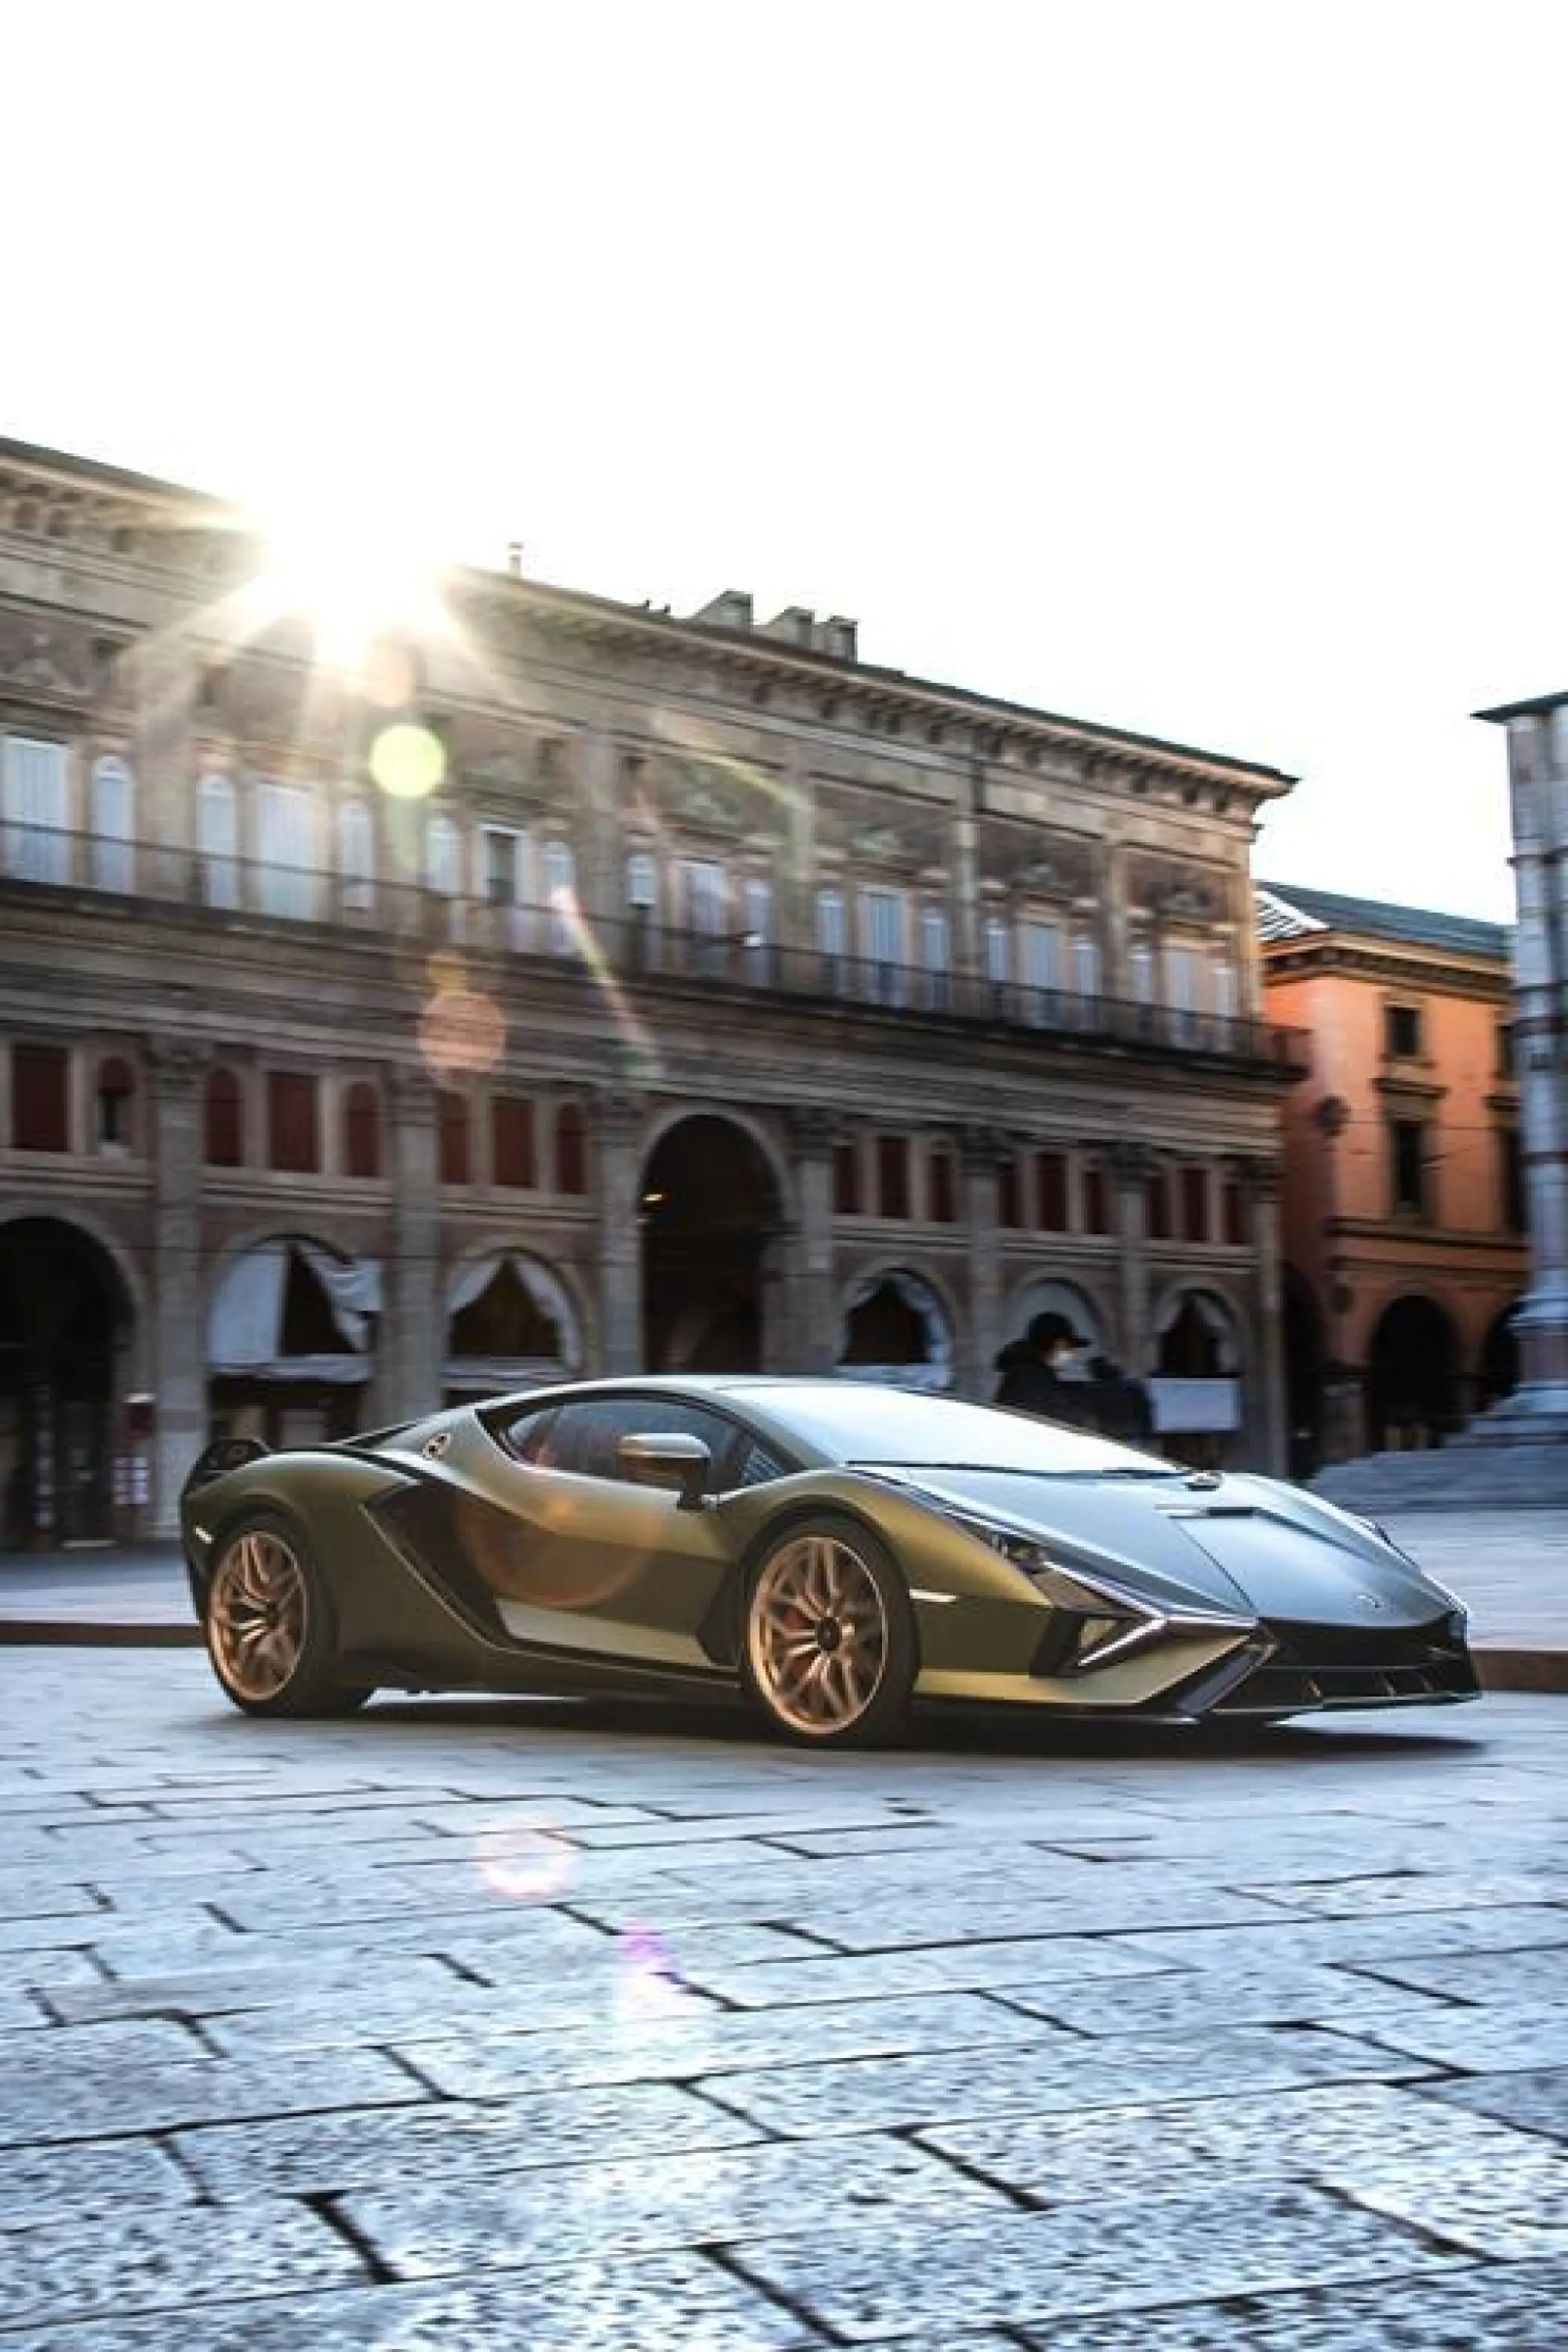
(1094, 1619)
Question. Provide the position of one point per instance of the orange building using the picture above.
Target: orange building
(1401, 1199)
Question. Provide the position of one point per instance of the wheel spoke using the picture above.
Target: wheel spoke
(818, 1634)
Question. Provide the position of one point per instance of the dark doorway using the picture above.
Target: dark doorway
(710, 1214)
(63, 1317)
(1499, 1374)
(1303, 1342)
(1413, 1395)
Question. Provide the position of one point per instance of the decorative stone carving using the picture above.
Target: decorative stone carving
(985, 1147)
(1169, 893)
(881, 830)
(507, 766)
(49, 665)
(178, 1065)
(814, 1130)
(1034, 863)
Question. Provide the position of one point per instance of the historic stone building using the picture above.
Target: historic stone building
(1402, 1202)
(563, 985)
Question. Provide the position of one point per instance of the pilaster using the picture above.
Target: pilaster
(619, 1126)
(177, 1066)
(810, 1346)
(1130, 1168)
(413, 1325)
(1266, 1413)
(982, 1151)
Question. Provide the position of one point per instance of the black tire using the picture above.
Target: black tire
(856, 1662)
(269, 1624)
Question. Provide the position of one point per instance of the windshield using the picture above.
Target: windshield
(898, 1429)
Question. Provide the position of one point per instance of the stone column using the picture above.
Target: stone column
(1130, 1167)
(1267, 1437)
(413, 1335)
(1539, 791)
(621, 1119)
(812, 1319)
(179, 1339)
(981, 1150)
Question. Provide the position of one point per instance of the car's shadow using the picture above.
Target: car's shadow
(936, 1734)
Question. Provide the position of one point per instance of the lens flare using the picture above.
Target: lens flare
(408, 761)
(525, 1863)
(462, 1034)
(650, 1985)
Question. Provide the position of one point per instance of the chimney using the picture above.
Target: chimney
(796, 623)
(731, 610)
(514, 558)
(839, 637)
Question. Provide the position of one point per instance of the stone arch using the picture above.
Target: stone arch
(72, 1331)
(290, 1336)
(898, 1324)
(1414, 1390)
(1197, 1374)
(761, 1134)
(513, 1320)
(711, 1213)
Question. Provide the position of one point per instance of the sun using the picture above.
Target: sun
(351, 558)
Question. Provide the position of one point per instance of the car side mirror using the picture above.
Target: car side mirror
(669, 1458)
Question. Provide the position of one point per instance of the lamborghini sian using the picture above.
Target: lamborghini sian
(833, 1552)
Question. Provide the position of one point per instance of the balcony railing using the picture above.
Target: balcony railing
(632, 947)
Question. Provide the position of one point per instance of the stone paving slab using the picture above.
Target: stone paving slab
(316, 2153)
(715, 2198)
(165, 2259)
(649, 2040)
(1485, 2309)
(1484, 1978)
(656, 2305)
(890, 2093)
(1535, 2098)
(1333, 2135)
(1481, 2041)
(1191, 2000)
(944, 1967)
(153, 2097)
(1029, 2269)
(88, 2178)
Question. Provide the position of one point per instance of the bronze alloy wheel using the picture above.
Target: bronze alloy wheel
(258, 1614)
(817, 1635)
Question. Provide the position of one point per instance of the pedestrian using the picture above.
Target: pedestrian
(1031, 1370)
(1120, 1404)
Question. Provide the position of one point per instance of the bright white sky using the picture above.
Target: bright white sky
(1193, 366)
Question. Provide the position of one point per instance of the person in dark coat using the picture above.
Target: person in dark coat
(1120, 1404)
(1031, 1380)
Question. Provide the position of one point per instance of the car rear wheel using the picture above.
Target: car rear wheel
(269, 1629)
(829, 1656)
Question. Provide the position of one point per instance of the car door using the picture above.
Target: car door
(600, 1563)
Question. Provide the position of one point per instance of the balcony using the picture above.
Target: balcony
(90, 873)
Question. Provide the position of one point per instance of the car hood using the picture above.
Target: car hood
(1245, 1545)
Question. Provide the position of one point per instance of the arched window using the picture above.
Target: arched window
(571, 1150)
(224, 1145)
(361, 1130)
(116, 1098)
(356, 858)
(455, 1156)
(218, 834)
(113, 819)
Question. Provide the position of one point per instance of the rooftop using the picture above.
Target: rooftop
(1285, 912)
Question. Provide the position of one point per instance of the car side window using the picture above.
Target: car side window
(758, 1467)
(587, 1437)
(528, 1435)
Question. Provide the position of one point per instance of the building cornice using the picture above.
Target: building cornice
(1486, 979)
(987, 729)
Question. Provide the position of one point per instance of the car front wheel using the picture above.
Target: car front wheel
(829, 1654)
(269, 1629)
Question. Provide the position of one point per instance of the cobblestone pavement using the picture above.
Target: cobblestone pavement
(466, 2026)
